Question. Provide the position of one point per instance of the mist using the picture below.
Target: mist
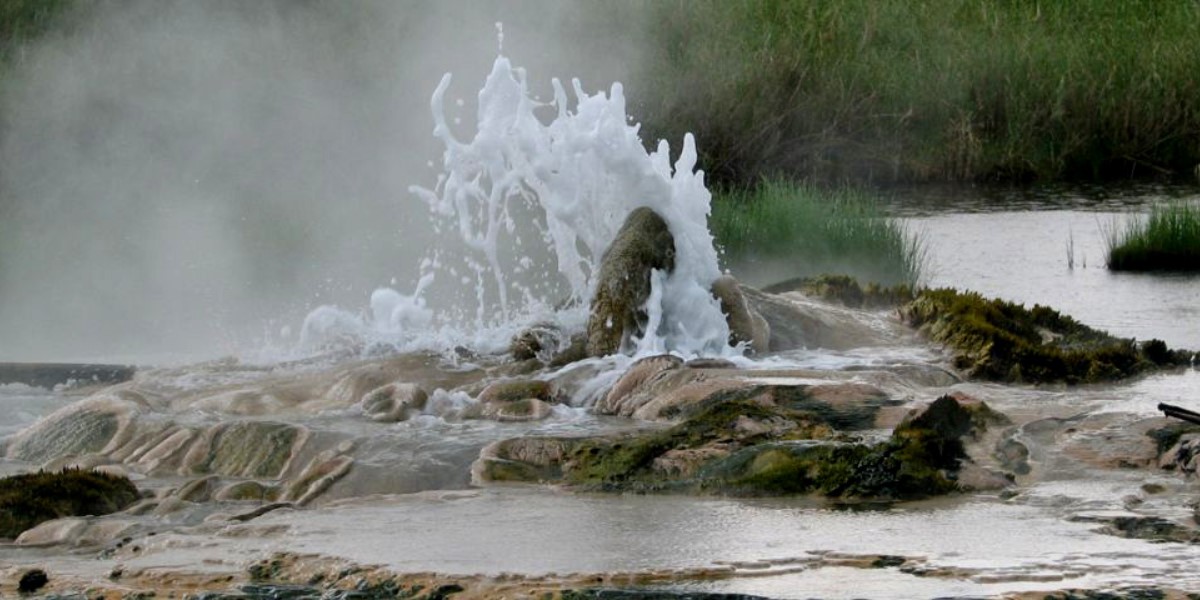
(184, 180)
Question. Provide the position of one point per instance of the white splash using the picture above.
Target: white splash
(570, 183)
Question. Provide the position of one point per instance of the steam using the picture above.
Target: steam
(185, 178)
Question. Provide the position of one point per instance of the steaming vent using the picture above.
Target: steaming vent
(524, 211)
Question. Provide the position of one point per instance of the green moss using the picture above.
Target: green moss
(31, 498)
(919, 460)
(1002, 341)
(607, 463)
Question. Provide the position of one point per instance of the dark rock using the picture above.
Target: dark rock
(1155, 529)
(32, 581)
(444, 591)
(643, 243)
(32, 498)
(49, 375)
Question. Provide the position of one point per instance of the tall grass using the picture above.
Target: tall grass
(1167, 240)
(793, 230)
(888, 90)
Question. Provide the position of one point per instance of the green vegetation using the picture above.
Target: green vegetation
(31, 498)
(893, 90)
(22, 21)
(1167, 240)
(1002, 341)
(812, 230)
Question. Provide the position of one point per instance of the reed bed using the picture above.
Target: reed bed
(1168, 239)
(798, 230)
(894, 90)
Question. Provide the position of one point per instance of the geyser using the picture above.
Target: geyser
(526, 209)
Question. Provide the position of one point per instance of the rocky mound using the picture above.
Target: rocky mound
(32, 498)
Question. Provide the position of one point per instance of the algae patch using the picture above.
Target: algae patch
(1002, 341)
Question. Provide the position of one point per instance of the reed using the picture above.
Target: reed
(918, 91)
(798, 229)
(1168, 239)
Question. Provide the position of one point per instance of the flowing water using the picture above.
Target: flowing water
(531, 201)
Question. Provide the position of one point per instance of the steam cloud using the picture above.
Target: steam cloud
(185, 178)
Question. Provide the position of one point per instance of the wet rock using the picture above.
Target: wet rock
(354, 385)
(1184, 456)
(503, 392)
(1001, 341)
(710, 362)
(325, 469)
(796, 321)
(32, 580)
(745, 324)
(514, 400)
(635, 387)
(527, 460)
(539, 341)
(1144, 528)
(198, 490)
(246, 490)
(32, 498)
(86, 427)
(249, 449)
(644, 243)
(394, 402)
(76, 531)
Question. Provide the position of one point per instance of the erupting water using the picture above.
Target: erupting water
(569, 184)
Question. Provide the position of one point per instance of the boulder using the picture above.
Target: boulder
(524, 460)
(394, 402)
(643, 243)
(31, 498)
(629, 393)
(746, 325)
(514, 400)
(540, 340)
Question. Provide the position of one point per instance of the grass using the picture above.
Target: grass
(799, 229)
(1167, 240)
(921, 91)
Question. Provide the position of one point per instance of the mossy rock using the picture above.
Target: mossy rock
(643, 243)
(921, 458)
(1001, 341)
(617, 463)
(32, 498)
